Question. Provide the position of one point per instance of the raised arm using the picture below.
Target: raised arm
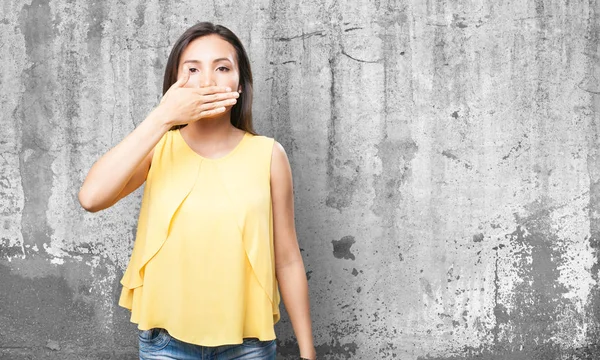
(125, 167)
(289, 266)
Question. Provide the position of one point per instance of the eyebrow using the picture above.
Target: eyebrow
(200, 62)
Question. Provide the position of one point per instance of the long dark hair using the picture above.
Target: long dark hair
(241, 112)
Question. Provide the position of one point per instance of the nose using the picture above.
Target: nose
(206, 78)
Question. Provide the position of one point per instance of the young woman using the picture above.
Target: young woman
(216, 240)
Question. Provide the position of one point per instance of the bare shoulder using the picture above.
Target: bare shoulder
(279, 157)
(280, 165)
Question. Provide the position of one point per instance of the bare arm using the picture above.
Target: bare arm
(289, 266)
(125, 167)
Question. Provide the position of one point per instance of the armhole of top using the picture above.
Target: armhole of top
(157, 148)
(270, 162)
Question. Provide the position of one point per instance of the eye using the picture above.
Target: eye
(193, 70)
(222, 68)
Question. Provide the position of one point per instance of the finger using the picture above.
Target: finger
(209, 90)
(209, 113)
(183, 77)
(218, 104)
(219, 97)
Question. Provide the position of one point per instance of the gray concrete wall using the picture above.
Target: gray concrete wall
(445, 158)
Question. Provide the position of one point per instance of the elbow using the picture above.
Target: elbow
(87, 202)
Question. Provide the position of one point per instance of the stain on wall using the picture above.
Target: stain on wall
(341, 248)
(445, 160)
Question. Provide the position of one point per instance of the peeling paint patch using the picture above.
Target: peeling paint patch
(341, 248)
(535, 318)
(396, 158)
(344, 177)
(538, 300)
(57, 261)
(342, 170)
(426, 286)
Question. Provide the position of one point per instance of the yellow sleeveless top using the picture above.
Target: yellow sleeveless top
(203, 264)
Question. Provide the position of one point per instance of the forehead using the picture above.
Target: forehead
(207, 48)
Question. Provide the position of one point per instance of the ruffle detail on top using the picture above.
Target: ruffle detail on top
(256, 223)
(173, 169)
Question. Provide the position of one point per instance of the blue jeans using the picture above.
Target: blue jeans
(157, 344)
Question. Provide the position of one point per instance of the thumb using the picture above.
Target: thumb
(183, 77)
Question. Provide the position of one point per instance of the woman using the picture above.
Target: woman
(216, 240)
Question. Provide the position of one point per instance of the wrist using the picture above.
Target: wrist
(308, 354)
(160, 117)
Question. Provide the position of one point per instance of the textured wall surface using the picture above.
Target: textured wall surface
(445, 158)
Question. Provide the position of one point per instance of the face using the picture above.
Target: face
(212, 62)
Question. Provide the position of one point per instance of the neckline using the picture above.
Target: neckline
(239, 144)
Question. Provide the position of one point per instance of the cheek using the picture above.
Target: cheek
(230, 78)
(193, 81)
(232, 83)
